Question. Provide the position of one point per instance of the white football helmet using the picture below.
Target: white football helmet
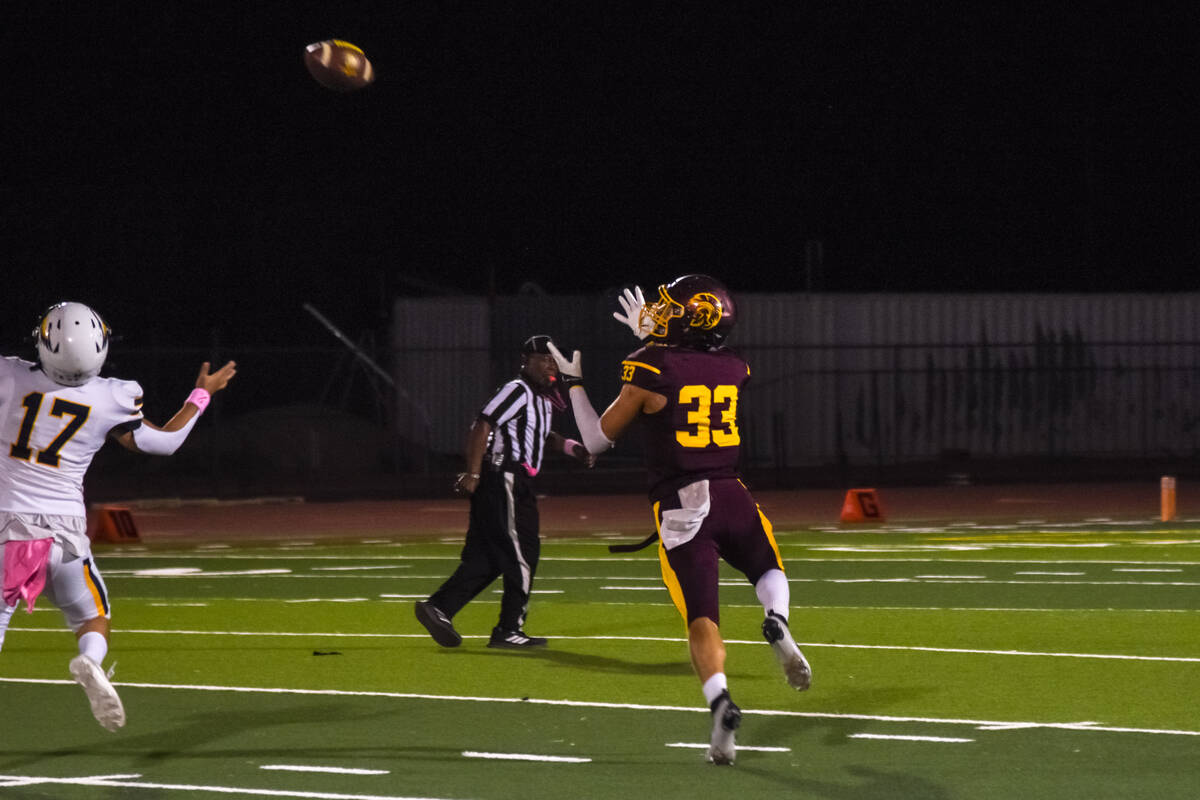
(72, 343)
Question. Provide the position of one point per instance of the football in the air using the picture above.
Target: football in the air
(338, 65)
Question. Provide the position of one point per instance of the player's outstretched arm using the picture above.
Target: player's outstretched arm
(599, 432)
(207, 384)
(570, 374)
(151, 439)
(216, 381)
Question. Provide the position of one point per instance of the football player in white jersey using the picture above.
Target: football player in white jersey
(54, 416)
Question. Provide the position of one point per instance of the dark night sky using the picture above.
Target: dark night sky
(174, 165)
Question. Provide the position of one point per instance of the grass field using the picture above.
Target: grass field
(968, 661)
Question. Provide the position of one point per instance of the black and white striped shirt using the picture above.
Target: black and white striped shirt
(520, 418)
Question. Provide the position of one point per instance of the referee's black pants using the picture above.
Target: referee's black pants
(502, 540)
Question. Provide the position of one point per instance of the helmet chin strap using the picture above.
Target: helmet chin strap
(547, 388)
(555, 397)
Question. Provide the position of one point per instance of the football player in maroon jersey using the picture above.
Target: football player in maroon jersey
(684, 386)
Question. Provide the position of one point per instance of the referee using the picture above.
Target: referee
(505, 447)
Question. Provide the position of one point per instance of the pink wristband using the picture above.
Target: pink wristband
(199, 398)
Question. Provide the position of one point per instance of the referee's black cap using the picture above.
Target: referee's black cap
(536, 344)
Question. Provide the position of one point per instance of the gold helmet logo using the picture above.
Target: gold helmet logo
(706, 311)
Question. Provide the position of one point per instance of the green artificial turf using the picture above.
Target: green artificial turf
(1019, 663)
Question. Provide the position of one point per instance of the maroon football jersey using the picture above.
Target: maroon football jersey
(695, 435)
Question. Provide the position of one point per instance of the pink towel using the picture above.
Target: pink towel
(25, 571)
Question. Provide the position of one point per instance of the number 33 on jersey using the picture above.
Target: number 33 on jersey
(49, 433)
(696, 433)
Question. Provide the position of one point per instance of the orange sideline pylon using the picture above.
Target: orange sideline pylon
(1167, 498)
(113, 524)
(862, 505)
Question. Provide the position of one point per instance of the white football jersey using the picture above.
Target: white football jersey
(50, 432)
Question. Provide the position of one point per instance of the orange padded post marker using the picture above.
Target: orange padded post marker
(862, 505)
(113, 524)
(1167, 498)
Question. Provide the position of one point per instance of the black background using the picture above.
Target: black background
(174, 165)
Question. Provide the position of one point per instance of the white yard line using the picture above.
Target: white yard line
(186, 573)
(950, 739)
(979, 581)
(153, 632)
(526, 757)
(329, 600)
(607, 558)
(633, 588)
(288, 574)
(329, 770)
(123, 782)
(359, 567)
(980, 724)
(1005, 610)
(971, 651)
(1144, 569)
(1076, 583)
(675, 639)
(740, 747)
(165, 556)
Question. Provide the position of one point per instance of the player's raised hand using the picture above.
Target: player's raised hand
(216, 381)
(570, 373)
(632, 302)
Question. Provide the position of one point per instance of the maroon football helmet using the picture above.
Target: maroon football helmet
(695, 310)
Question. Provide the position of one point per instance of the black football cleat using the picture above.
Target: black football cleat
(438, 624)
(514, 640)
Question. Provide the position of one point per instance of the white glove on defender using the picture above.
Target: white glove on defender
(569, 372)
(586, 419)
(632, 303)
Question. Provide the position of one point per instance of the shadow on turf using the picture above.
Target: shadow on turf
(836, 732)
(865, 783)
(588, 661)
(192, 737)
(188, 737)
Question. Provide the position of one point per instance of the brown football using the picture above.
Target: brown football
(338, 65)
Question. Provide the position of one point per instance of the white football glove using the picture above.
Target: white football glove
(570, 373)
(632, 303)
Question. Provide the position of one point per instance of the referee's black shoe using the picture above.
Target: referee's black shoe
(438, 624)
(514, 640)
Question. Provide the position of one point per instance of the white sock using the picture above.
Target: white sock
(5, 615)
(713, 687)
(773, 593)
(93, 645)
